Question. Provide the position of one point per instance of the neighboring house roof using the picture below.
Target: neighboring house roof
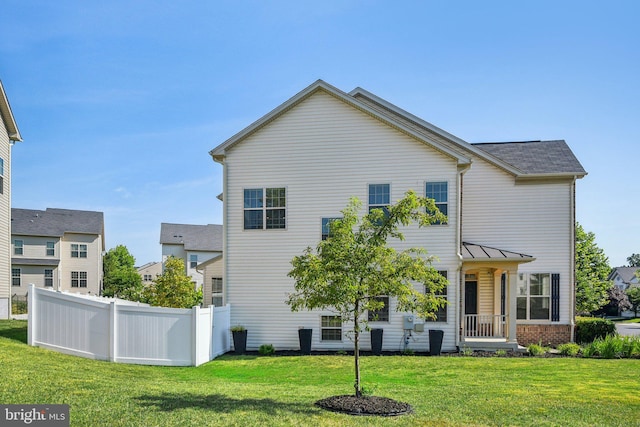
(516, 158)
(55, 222)
(147, 265)
(626, 274)
(204, 264)
(536, 157)
(193, 237)
(7, 116)
(473, 252)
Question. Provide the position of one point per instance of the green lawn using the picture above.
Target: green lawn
(449, 391)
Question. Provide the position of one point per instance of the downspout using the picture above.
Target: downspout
(572, 287)
(458, 310)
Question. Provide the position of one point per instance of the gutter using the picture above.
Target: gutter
(458, 313)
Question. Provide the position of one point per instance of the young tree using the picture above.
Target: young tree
(634, 260)
(592, 271)
(173, 288)
(634, 298)
(617, 302)
(355, 265)
(121, 279)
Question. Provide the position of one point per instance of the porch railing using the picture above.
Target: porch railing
(484, 326)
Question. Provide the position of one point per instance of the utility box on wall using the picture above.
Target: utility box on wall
(409, 321)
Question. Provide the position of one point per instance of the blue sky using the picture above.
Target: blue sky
(119, 102)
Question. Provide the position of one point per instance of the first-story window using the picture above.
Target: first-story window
(441, 314)
(265, 208)
(193, 261)
(438, 191)
(18, 247)
(16, 274)
(78, 279)
(78, 250)
(216, 291)
(382, 314)
(534, 296)
(48, 277)
(331, 328)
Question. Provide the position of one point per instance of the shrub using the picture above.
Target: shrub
(630, 346)
(590, 328)
(266, 350)
(237, 328)
(609, 347)
(536, 350)
(466, 351)
(569, 349)
(590, 350)
(501, 353)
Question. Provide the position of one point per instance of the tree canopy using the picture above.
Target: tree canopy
(173, 288)
(592, 272)
(121, 279)
(634, 260)
(634, 298)
(354, 266)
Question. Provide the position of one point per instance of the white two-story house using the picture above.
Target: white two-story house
(9, 134)
(59, 249)
(507, 247)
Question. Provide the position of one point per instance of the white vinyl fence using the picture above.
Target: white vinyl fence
(126, 332)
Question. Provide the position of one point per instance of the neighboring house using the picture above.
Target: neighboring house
(149, 271)
(9, 134)
(194, 244)
(625, 277)
(507, 247)
(60, 249)
(213, 281)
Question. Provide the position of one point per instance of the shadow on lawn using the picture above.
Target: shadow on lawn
(168, 402)
(17, 333)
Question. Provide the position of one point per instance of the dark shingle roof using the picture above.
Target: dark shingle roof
(193, 237)
(55, 222)
(536, 157)
(625, 273)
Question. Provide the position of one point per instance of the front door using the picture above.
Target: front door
(471, 297)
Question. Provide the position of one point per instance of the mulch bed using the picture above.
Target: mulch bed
(365, 405)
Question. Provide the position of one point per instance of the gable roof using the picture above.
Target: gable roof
(193, 237)
(7, 116)
(553, 159)
(626, 274)
(55, 222)
(536, 157)
(219, 152)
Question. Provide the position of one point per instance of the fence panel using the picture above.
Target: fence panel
(126, 332)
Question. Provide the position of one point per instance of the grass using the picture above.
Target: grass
(634, 320)
(246, 390)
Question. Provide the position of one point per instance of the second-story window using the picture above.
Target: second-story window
(1, 175)
(438, 191)
(18, 247)
(265, 208)
(51, 248)
(193, 261)
(78, 250)
(379, 197)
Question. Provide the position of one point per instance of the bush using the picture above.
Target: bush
(630, 347)
(590, 328)
(569, 349)
(266, 350)
(613, 347)
(609, 347)
(536, 350)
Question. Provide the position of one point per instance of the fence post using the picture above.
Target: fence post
(31, 314)
(195, 333)
(113, 335)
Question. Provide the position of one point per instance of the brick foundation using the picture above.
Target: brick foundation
(548, 335)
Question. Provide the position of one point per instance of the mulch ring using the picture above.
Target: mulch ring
(365, 405)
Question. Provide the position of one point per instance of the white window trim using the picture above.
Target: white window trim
(377, 206)
(528, 320)
(19, 277)
(448, 202)
(341, 340)
(264, 208)
(16, 247)
(217, 294)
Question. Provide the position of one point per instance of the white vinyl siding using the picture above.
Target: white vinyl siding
(534, 219)
(326, 152)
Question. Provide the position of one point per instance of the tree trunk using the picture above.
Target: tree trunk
(356, 351)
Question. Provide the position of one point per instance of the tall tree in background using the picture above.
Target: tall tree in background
(634, 298)
(634, 260)
(173, 288)
(121, 279)
(592, 271)
(354, 267)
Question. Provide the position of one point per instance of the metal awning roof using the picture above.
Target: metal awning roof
(474, 252)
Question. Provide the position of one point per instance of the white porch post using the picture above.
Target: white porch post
(512, 285)
(463, 285)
